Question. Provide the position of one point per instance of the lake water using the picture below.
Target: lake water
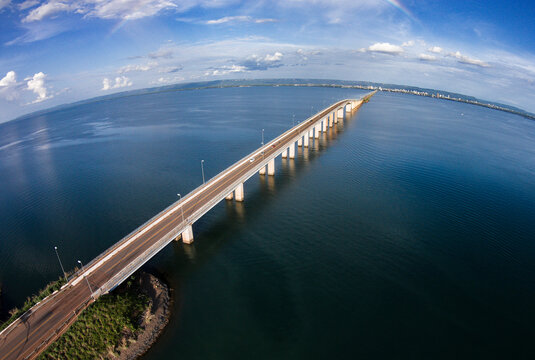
(405, 233)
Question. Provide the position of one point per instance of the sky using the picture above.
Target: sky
(54, 52)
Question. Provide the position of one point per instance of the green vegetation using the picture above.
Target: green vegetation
(104, 327)
(31, 301)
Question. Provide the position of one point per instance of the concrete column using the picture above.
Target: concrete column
(285, 154)
(187, 235)
(306, 140)
(331, 120)
(300, 141)
(230, 196)
(340, 113)
(310, 133)
(292, 151)
(317, 130)
(262, 170)
(349, 108)
(271, 167)
(239, 192)
(324, 125)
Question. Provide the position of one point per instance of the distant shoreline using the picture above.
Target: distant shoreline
(236, 83)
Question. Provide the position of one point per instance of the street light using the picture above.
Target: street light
(293, 120)
(90, 290)
(181, 208)
(60, 264)
(262, 137)
(202, 170)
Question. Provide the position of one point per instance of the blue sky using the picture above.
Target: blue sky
(57, 51)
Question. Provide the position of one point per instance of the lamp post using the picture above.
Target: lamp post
(202, 170)
(60, 264)
(89, 286)
(181, 208)
(262, 137)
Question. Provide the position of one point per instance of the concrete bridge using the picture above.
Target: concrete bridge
(29, 335)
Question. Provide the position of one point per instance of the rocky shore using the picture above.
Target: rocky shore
(154, 319)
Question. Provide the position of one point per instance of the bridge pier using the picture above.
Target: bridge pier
(271, 167)
(324, 124)
(230, 196)
(285, 153)
(331, 119)
(300, 141)
(187, 235)
(238, 193)
(310, 133)
(306, 140)
(262, 170)
(340, 113)
(292, 151)
(317, 129)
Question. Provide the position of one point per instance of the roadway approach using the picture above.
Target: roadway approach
(36, 329)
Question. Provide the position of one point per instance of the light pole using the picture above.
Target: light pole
(262, 137)
(89, 286)
(181, 208)
(202, 170)
(60, 264)
(293, 120)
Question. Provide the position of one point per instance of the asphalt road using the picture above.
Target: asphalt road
(32, 334)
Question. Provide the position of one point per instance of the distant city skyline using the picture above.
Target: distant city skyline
(55, 52)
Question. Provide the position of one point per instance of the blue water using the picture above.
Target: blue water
(406, 233)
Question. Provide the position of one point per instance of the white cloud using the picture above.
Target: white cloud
(435, 49)
(167, 80)
(37, 85)
(27, 4)
(386, 48)
(127, 9)
(120, 81)
(408, 43)
(228, 19)
(46, 10)
(467, 60)
(275, 57)
(129, 68)
(8, 86)
(36, 31)
(118, 9)
(4, 3)
(224, 70)
(9, 80)
(255, 62)
(427, 57)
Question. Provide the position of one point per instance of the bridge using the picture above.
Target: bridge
(31, 334)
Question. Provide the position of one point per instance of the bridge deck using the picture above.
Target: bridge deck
(35, 330)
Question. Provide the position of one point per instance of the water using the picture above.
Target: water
(407, 233)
